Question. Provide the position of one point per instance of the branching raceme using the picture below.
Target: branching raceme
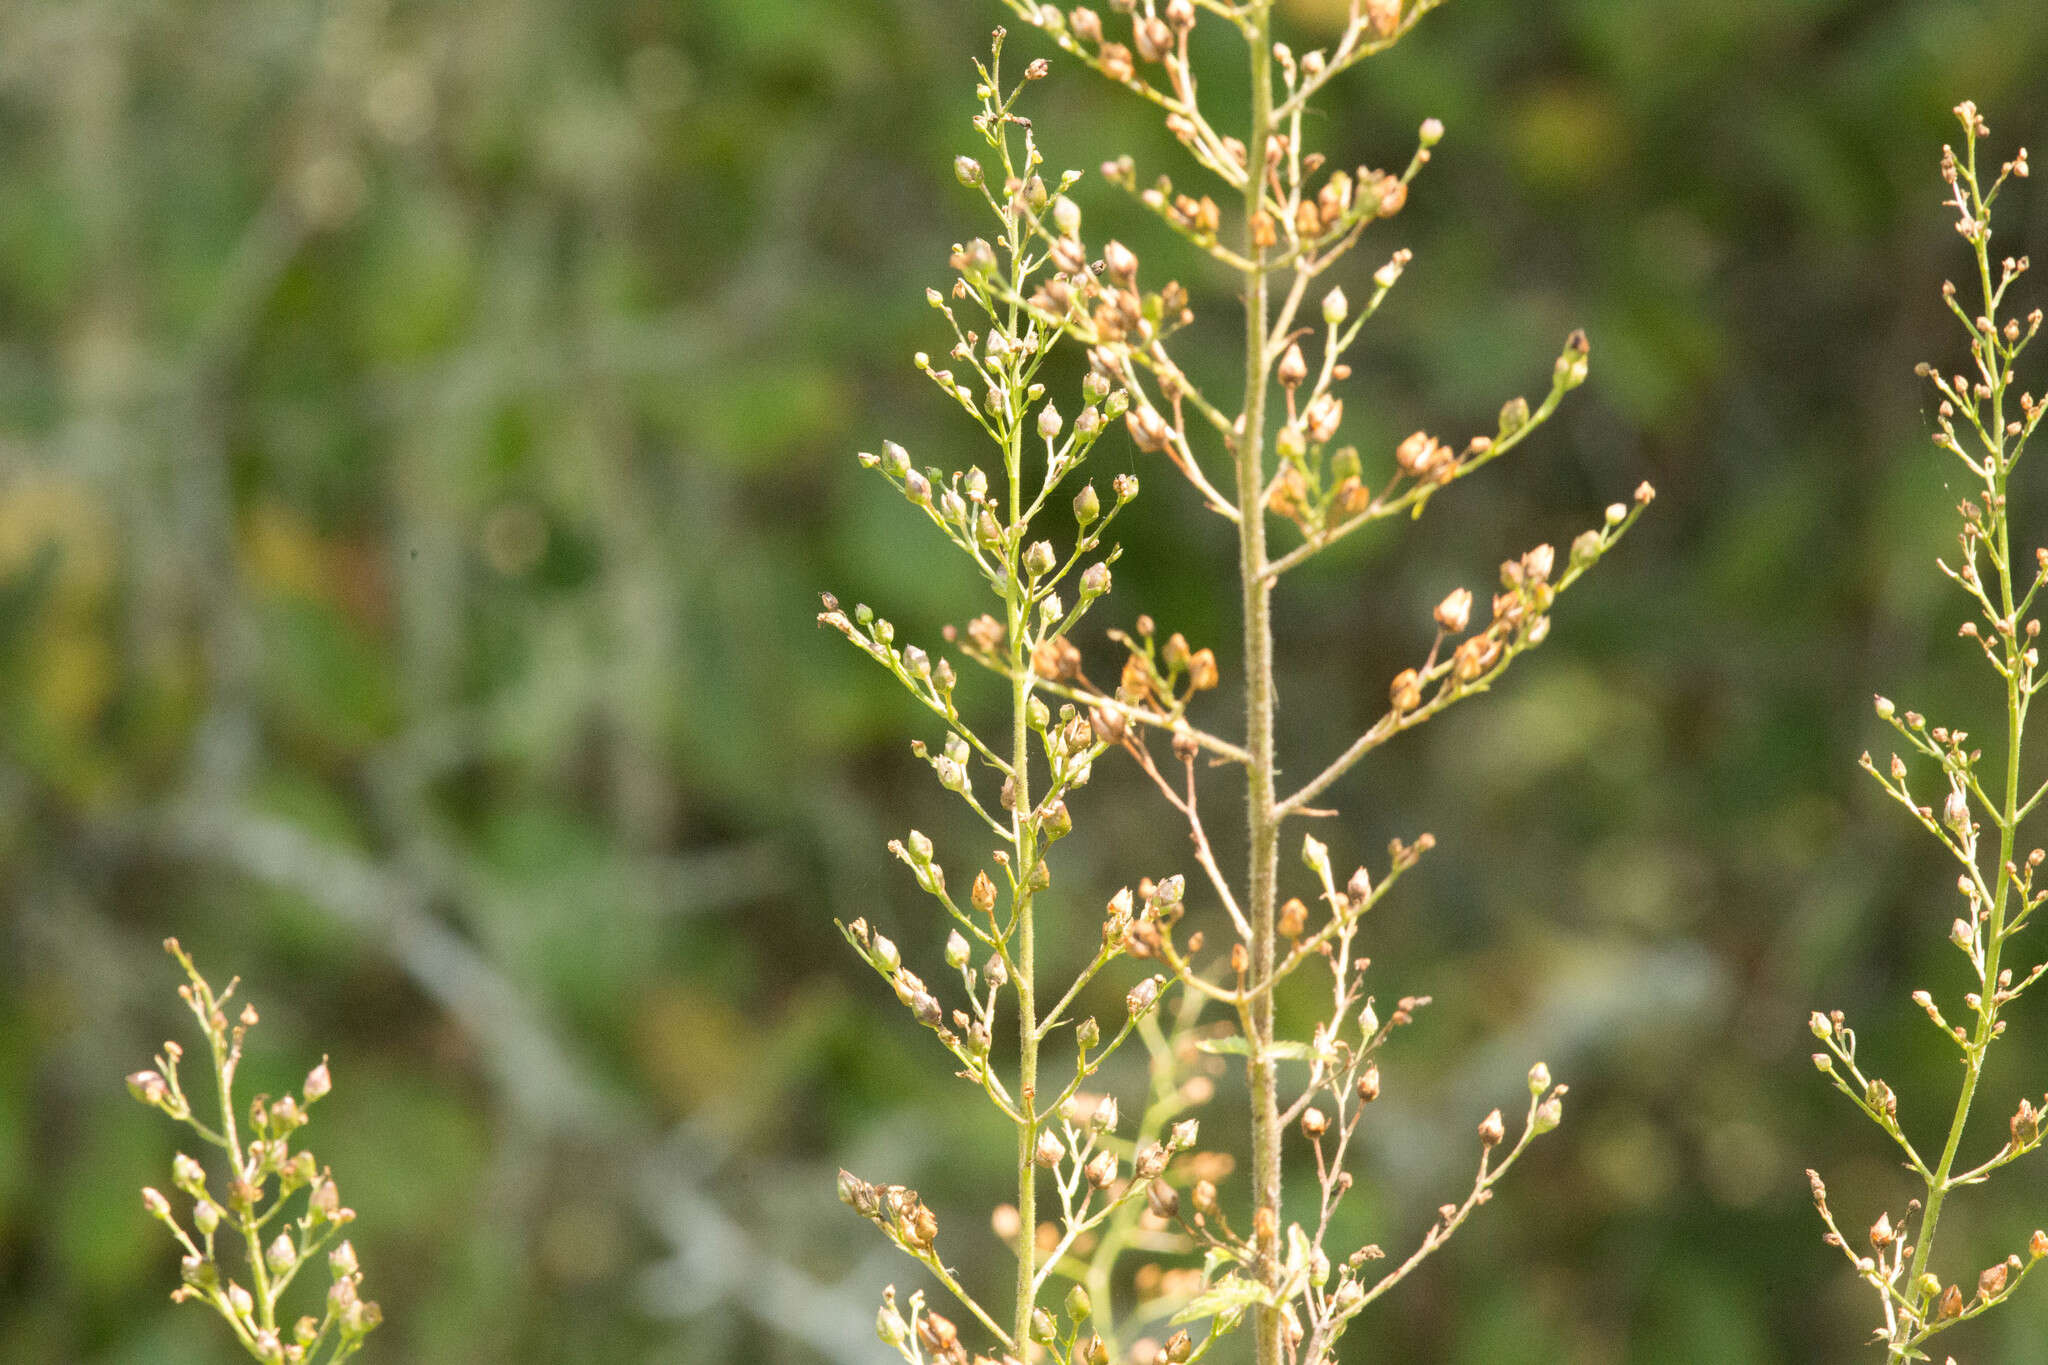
(1976, 809)
(250, 1214)
(1089, 1187)
(1275, 452)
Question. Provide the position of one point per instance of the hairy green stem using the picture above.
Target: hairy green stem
(1023, 950)
(1262, 817)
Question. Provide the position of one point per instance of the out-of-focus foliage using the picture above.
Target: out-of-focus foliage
(422, 427)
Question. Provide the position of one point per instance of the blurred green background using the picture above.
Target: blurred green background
(423, 427)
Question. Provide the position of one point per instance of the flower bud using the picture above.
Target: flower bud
(318, 1082)
(1514, 415)
(1956, 811)
(1094, 581)
(1039, 559)
(1049, 1150)
(1454, 613)
(1049, 422)
(1492, 1130)
(1078, 1306)
(1101, 1169)
(1539, 1079)
(1432, 132)
(967, 170)
(1087, 505)
(957, 951)
(884, 954)
(1335, 307)
(1120, 262)
(1571, 365)
(1104, 1119)
(281, 1255)
(342, 1260)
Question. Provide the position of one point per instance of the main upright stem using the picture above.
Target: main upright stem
(1262, 818)
(1024, 950)
(2016, 698)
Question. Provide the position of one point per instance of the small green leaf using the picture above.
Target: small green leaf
(1236, 1046)
(1220, 1298)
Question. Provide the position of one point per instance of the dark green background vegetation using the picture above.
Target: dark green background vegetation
(423, 427)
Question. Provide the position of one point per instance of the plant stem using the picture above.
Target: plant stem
(1025, 829)
(2016, 699)
(1261, 816)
